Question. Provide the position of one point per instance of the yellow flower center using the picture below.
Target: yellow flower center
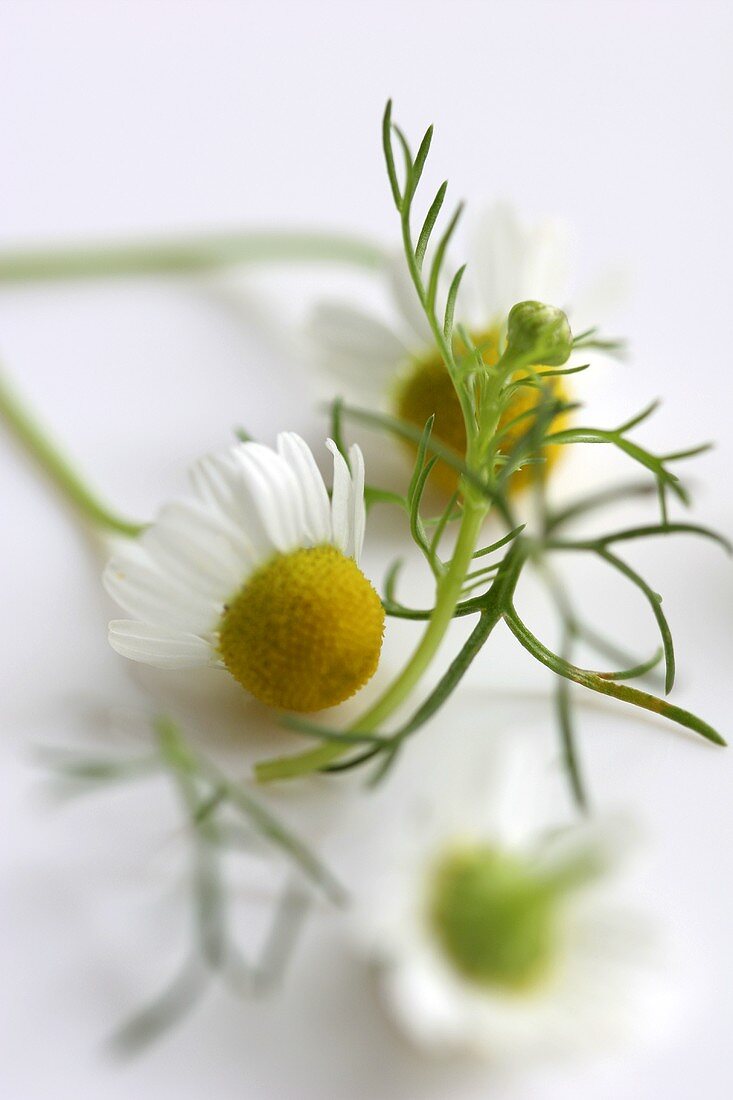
(493, 917)
(305, 631)
(426, 389)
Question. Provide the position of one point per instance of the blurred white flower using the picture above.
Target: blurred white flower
(496, 935)
(508, 262)
(397, 367)
(256, 573)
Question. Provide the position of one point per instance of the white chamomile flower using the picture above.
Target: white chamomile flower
(396, 366)
(257, 573)
(496, 937)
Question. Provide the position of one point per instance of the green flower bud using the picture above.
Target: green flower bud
(540, 332)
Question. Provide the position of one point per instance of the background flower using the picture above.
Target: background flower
(397, 366)
(167, 130)
(591, 976)
(508, 262)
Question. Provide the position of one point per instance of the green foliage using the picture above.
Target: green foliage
(219, 816)
(470, 580)
(485, 472)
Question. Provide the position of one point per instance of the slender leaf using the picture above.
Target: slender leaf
(429, 224)
(437, 264)
(422, 156)
(604, 686)
(389, 155)
(655, 602)
(451, 302)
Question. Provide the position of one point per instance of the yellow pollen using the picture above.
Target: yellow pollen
(426, 389)
(305, 631)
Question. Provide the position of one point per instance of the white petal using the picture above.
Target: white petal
(159, 647)
(513, 263)
(272, 491)
(358, 507)
(341, 501)
(497, 251)
(223, 482)
(317, 508)
(134, 582)
(352, 340)
(545, 276)
(200, 551)
(216, 480)
(422, 1006)
(601, 300)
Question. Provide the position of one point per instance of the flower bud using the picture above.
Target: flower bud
(539, 332)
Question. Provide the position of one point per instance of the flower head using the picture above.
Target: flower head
(493, 933)
(398, 365)
(257, 573)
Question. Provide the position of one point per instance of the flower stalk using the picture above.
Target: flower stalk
(187, 255)
(539, 343)
(448, 594)
(538, 337)
(258, 574)
(56, 466)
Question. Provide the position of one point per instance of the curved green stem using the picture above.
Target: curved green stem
(37, 443)
(187, 254)
(447, 598)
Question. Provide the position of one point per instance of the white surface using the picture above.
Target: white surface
(124, 117)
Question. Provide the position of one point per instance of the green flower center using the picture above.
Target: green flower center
(493, 916)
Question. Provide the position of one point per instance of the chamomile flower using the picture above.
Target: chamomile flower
(495, 936)
(397, 366)
(257, 573)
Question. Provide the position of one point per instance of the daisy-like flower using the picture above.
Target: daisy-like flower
(257, 573)
(495, 937)
(397, 366)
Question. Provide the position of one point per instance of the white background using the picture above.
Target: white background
(118, 118)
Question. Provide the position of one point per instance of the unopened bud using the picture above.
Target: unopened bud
(540, 332)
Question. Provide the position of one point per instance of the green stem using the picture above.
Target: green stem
(568, 742)
(37, 443)
(195, 253)
(179, 756)
(443, 345)
(447, 598)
